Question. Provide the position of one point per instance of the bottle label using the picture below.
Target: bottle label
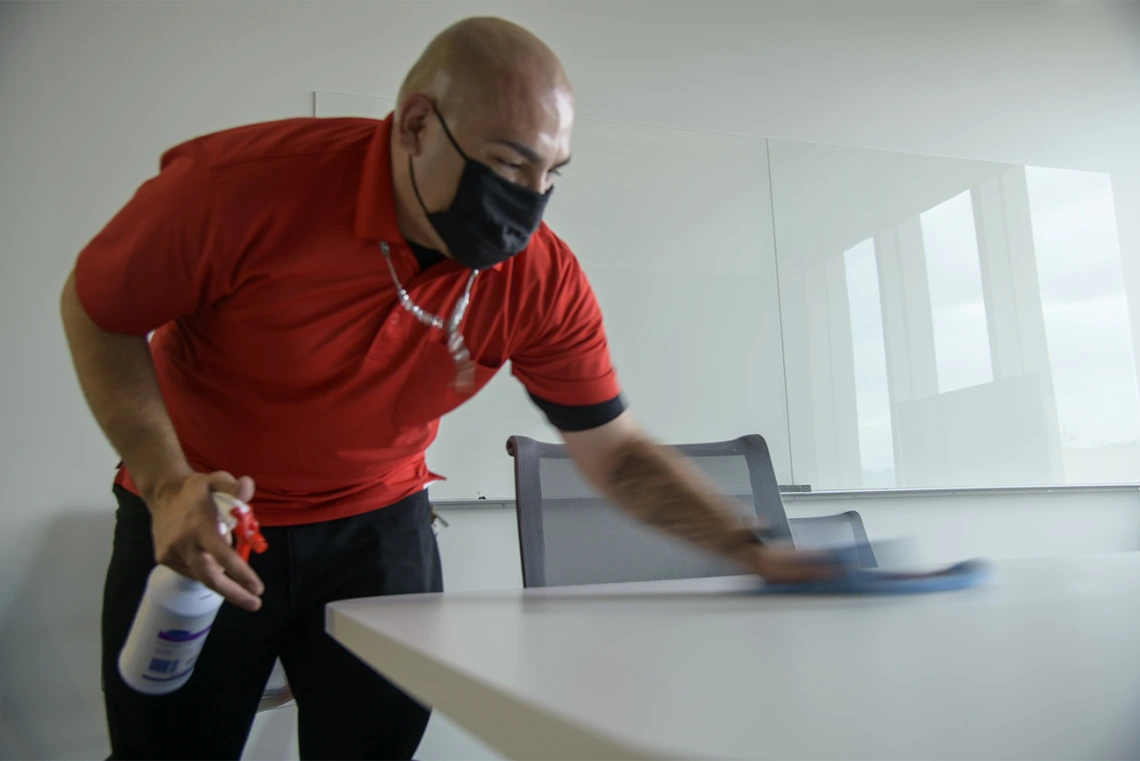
(175, 652)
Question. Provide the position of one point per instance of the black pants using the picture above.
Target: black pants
(345, 709)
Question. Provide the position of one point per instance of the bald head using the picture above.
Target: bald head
(479, 62)
(503, 96)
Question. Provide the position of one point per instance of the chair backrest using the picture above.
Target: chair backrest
(568, 534)
(833, 531)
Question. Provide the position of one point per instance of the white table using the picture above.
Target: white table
(1044, 663)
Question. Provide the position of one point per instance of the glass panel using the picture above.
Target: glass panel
(872, 400)
(955, 323)
(1086, 322)
(961, 341)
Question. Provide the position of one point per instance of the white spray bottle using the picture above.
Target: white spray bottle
(176, 613)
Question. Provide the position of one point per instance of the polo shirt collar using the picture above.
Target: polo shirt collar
(375, 201)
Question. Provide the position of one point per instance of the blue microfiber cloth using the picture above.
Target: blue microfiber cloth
(856, 580)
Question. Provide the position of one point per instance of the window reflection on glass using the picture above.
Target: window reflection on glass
(1087, 325)
(872, 400)
(961, 338)
(979, 330)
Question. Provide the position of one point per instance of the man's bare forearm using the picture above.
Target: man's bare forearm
(118, 380)
(664, 491)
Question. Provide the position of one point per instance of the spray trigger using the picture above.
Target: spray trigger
(236, 517)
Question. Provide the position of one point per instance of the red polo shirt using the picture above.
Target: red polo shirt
(280, 347)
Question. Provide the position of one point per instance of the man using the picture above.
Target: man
(320, 292)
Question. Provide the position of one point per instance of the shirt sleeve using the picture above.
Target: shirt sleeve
(157, 259)
(565, 364)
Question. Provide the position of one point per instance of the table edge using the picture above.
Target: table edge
(533, 732)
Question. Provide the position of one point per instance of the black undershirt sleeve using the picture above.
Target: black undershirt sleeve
(580, 418)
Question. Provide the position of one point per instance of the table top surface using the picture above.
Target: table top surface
(1044, 662)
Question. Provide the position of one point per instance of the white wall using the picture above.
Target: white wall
(91, 93)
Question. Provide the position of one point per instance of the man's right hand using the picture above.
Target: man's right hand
(184, 522)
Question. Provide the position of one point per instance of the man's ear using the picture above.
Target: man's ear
(411, 121)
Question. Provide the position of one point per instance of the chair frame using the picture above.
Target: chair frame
(529, 453)
(862, 545)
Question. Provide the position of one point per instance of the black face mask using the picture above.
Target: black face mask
(490, 219)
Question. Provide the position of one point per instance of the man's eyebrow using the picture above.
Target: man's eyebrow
(526, 151)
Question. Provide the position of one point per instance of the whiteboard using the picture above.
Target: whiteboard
(674, 231)
(953, 323)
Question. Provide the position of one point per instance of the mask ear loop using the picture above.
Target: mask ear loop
(446, 131)
(416, 187)
(454, 144)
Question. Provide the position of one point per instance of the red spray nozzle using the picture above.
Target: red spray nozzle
(236, 517)
(247, 532)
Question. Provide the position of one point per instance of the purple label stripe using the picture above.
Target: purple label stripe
(181, 635)
(169, 678)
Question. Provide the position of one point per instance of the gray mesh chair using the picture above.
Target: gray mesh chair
(568, 534)
(831, 531)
